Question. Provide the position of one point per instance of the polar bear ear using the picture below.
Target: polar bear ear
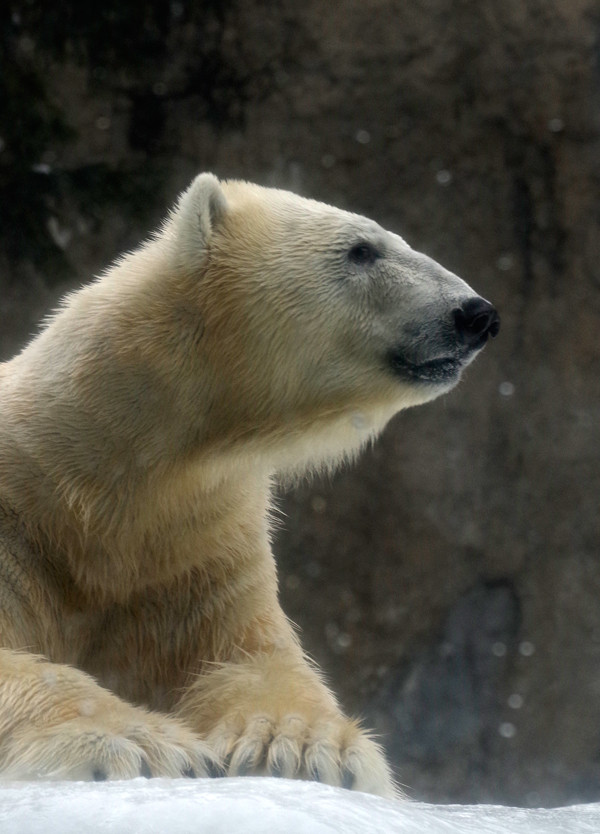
(201, 208)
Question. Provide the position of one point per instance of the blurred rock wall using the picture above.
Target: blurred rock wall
(449, 583)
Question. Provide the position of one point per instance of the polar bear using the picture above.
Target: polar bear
(257, 333)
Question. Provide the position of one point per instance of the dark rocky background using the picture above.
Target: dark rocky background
(449, 584)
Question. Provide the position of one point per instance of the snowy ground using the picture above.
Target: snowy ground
(258, 806)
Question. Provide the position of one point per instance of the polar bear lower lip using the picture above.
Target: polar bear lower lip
(443, 369)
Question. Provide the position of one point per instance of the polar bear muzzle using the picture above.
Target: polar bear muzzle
(474, 321)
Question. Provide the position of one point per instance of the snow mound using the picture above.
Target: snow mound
(258, 806)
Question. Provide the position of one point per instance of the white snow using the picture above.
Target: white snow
(258, 806)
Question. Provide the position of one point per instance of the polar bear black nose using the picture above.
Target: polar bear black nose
(475, 320)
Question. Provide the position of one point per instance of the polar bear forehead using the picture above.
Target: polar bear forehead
(259, 208)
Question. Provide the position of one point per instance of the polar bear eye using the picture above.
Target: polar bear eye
(363, 253)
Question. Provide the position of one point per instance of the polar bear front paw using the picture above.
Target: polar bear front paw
(88, 750)
(335, 751)
(56, 722)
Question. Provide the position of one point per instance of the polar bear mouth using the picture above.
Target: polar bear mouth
(443, 369)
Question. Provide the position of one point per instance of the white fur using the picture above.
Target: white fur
(139, 433)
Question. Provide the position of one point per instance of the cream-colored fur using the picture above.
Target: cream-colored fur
(139, 433)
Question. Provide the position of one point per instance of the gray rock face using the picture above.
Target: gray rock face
(449, 583)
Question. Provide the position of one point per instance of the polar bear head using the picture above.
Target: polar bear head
(260, 323)
(311, 314)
